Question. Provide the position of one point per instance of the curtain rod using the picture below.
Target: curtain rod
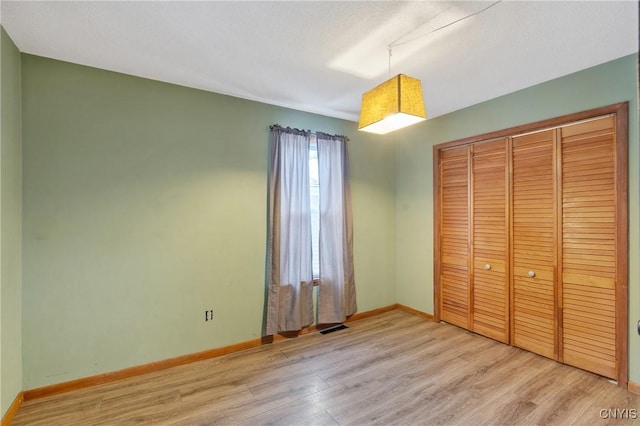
(306, 132)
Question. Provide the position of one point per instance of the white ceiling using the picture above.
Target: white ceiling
(321, 56)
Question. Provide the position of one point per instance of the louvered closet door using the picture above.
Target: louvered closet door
(490, 294)
(533, 241)
(454, 236)
(589, 246)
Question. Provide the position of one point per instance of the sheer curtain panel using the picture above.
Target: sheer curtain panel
(336, 290)
(290, 277)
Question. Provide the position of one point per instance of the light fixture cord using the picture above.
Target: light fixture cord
(397, 41)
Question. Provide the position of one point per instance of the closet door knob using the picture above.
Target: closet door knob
(532, 274)
(487, 266)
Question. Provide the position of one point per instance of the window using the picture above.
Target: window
(309, 213)
(315, 206)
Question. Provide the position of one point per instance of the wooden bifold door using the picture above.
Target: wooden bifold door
(531, 238)
(533, 253)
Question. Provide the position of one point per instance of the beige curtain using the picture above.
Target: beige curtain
(336, 291)
(289, 277)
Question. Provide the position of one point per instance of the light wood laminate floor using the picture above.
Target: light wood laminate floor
(394, 368)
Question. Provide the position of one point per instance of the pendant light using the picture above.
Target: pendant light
(398, 102)
(392, 105)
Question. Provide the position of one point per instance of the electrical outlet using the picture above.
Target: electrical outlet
(208, 315)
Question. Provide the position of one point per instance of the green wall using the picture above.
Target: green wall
(10, 224)
(145, 205)
(606, 84)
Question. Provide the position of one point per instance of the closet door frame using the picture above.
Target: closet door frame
(622, 233)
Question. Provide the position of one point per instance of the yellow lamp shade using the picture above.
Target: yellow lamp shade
(394, 104)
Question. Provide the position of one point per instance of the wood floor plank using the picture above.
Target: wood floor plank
(394, 368)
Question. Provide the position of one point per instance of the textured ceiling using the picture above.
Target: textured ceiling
(321, 56)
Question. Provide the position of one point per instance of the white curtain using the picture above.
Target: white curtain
(336, 291)
(290, 276)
